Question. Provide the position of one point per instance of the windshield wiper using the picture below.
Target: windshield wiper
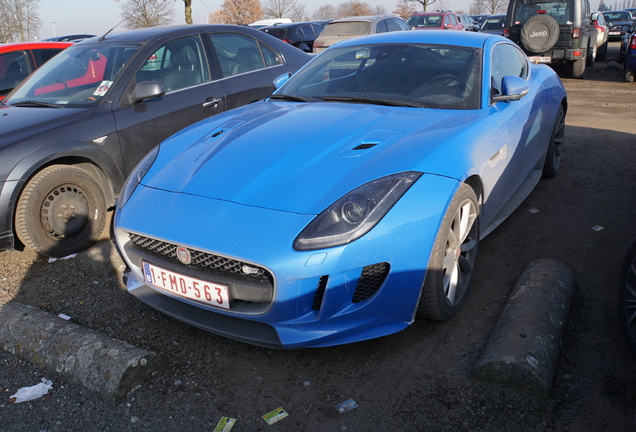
(375, 101)
(293, 98)
(34, 103)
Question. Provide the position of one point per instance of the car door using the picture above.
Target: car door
(524, 130)
(182, 66)
(247, 67)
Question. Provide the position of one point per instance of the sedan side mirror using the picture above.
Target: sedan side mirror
(626, 28)
(512, 89)
(147, 90)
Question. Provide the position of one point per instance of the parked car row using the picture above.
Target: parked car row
(75, 129)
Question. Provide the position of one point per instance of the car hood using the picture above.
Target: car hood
(19, 123)
(300, 157)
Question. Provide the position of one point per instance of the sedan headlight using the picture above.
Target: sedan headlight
(354, 214)
(136, 176)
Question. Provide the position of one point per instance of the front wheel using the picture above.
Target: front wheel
(627, 297)
(602, 52)
(555, 146)
(591, 56)
(61, 211)
(453, 258)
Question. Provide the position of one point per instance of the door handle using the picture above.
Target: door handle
(211, 102)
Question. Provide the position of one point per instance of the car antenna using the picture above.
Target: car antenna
(101, 39)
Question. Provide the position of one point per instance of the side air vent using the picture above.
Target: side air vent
(370, 281)
(320, 292)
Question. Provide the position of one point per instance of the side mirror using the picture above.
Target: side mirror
(447, 26)
(278, 82)
(147, 90)
(626, 28)
(512, 89)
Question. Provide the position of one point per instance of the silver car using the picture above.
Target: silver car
(598, 19)
(347, 28)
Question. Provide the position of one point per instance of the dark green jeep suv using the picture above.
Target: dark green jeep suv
(554, 31)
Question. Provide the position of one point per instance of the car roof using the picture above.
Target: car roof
(151, 33)
(8, 47)
(287, 25)
(363, 18)
(442, 37)
(431, 13)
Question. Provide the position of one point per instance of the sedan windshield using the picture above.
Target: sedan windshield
(409, 75)
(80, 76)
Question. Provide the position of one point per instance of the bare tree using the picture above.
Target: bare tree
(378, 10)
(405, 8)
(241, 12)
(216, 17)
(146, 13)
(478, 7)
(354, 8)
(325, 12)
(188, 10)
(425, 3)
(299, 13)
(20, 20)
(278, 8)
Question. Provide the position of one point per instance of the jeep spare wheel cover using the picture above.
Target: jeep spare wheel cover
(539, 33)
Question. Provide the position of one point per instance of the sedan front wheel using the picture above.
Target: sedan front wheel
(61, 211)
(453, 258)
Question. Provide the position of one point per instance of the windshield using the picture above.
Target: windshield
(419, 21)
(79, 76)
(414, 75)
(617, 16)
(347, 28)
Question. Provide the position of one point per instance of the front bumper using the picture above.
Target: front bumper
(319, 298)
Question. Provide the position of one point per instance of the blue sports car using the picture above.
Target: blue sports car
(350, 201)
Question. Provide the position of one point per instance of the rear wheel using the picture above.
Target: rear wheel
(629, 74)
(61, 211)
(577, 68)
(591, 56)
(555, 146)
(453, 258)
(602, 52)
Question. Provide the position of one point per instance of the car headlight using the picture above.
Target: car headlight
(354, 214)
(136, 176)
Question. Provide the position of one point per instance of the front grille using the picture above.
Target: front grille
(199, 258)
(372, 278)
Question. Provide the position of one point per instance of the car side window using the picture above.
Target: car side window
(453, 19)
(381, 27)
(238, 53)
(392, 25)
(403, 25)
(178, 64)
(506, 60)
(43, 55)
(13, 69)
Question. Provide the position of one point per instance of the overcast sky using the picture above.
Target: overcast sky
(64, 17)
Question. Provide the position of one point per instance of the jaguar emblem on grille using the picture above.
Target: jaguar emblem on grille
(184, 255)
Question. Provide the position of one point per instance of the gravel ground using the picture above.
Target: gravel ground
(416, 380)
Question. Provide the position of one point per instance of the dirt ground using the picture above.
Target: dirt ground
(416, 380)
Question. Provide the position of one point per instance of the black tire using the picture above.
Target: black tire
(590, 58)
(577, 68)
(601, 53)
(61, 211)
(628, 75)
(539, 34)
(555, 146)
(453, 258)
(627, 297)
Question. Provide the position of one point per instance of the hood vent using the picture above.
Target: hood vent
(365, 145)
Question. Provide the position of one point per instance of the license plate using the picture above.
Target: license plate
(614, 33)
(539, 59)
(210, 293)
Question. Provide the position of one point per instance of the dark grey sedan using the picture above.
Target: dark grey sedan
(75, 129)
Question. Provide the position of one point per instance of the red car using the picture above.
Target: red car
(18, 60)
(434, 21)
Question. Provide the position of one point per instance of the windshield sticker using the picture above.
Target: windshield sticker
(103, 88)
(364, 53)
